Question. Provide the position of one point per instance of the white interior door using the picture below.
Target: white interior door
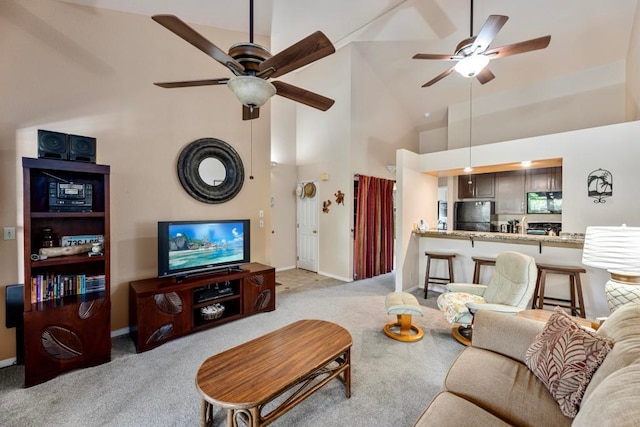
(307, 239)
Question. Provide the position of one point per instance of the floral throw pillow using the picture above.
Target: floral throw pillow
(564, 356)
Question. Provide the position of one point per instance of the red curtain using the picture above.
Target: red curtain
(374, 227)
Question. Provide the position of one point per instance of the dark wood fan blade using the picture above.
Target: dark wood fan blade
(304, 52)
(488, 32)
(436, 56)
(191, 83)
(485, 76)
(520, 47)
(303, 96)
(250, 113)
(182, 30)
(439, 77)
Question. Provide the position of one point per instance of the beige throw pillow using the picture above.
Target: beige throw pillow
(564, 356)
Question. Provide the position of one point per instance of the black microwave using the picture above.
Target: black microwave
(544, 202)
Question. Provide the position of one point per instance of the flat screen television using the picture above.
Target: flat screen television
(544, 202)
(194, 247)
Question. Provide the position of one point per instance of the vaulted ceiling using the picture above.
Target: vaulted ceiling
(587, 36)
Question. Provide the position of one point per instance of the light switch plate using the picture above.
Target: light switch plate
(9, 233)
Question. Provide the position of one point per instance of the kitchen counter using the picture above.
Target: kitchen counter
(485, 236)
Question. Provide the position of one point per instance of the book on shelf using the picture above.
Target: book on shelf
(47, 287)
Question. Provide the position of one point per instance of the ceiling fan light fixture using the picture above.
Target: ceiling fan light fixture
(471, 65)
(468, 169)
(251, 91)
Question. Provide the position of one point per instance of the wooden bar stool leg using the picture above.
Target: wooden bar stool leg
(476, 274)
(543, 278)
(536, 297)
(426, 277)
(572, 290)
(450, 261)
(578, 285)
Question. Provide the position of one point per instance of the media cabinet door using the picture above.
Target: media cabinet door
(161, 317)
(259, 292)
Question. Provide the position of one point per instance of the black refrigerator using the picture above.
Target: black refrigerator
(474, 216)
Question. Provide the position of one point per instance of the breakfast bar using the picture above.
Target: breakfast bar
(563, 250)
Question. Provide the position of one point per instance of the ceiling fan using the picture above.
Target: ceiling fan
(252, 66)
(472, 55)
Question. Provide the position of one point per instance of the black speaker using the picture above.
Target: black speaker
(52, 145)
(82, 148)
(14, 299)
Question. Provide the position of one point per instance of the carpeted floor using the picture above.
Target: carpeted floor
(392, 381)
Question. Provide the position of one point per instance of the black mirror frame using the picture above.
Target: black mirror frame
(188, 170)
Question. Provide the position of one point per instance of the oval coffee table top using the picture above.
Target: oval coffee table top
(258, 370)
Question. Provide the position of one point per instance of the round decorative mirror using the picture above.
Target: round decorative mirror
(211, 170)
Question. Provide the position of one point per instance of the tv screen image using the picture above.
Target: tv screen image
(186, 247)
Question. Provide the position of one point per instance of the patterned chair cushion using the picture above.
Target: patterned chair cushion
(564, 356)
(453, 305)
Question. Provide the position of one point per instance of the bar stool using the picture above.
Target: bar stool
(479, 262)
(575, 287)
(428, 278)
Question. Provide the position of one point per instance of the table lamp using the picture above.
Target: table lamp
(616, 249)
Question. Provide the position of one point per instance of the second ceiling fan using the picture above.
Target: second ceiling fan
(472, 55)
(252, 66)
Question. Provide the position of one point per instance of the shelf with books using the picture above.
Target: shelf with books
(67, 299)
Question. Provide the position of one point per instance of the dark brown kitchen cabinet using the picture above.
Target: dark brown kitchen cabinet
(544, 179)
(510, 194)
(477, 186)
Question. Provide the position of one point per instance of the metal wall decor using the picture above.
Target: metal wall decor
(193, 179)
(600, 185)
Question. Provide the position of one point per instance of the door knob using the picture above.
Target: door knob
(315, 231)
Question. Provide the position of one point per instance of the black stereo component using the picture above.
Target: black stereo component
(210, 292)
(82, 148)
(52, 145)
(70, 197)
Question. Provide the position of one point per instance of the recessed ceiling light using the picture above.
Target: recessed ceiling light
(426, 115)
(525, 163)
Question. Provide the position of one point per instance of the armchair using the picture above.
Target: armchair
(510, 290)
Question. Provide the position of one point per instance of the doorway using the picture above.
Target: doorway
(307, 227)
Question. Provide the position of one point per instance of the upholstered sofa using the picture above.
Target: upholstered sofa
(489, 384)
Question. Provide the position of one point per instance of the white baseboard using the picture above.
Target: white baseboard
(290, 267)
(333, 276)
(119, 332)
(8, 362)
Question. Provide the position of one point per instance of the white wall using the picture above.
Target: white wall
(614, 148)
(417, 198)
(90, 71)
(633, 71)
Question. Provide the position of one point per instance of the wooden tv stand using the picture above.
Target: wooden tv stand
(161, 309)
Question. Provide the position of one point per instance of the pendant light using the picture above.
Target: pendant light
(469, 168)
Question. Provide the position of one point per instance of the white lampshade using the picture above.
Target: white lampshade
(612, 248)
(251, 91)
(616, 249)
(471, 65)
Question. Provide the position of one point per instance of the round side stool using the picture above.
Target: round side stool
(403, 305)
(479, 262)
(575, 303)
(437, 280)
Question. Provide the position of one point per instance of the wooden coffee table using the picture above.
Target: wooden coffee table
(290, 363)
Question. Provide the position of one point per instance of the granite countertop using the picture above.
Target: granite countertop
(486, 236)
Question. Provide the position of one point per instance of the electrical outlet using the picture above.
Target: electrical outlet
(261, 214)
(9, 233)
(261, 224)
